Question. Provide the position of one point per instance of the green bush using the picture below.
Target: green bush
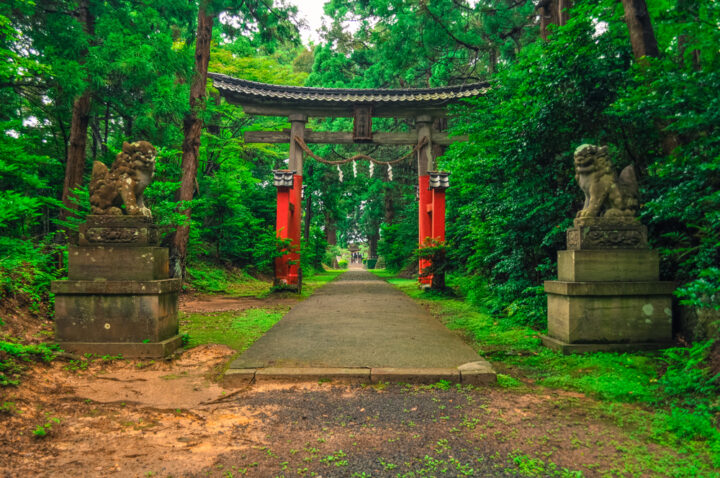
(343, 264)
(13, 355)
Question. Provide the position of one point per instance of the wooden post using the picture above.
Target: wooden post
(291, 266)
(425, 163)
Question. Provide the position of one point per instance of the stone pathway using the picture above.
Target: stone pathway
(358, 326)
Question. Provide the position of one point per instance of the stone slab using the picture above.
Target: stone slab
(477, 373)
(646, 288)
(126, 349)
(106, 287)
(304, 374)
(100, 317)
(577, 348)
(608, 265)
(237, 378)
(609, 318)
(118, 263)
(414, 375)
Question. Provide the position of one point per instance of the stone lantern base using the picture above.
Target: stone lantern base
(118, 298)
(608, 296)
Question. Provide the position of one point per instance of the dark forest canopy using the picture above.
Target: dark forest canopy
(83, 76)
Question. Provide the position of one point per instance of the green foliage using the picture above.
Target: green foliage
(343, 264)
(703, 291)
(13, 355)
(583, 87)
(237, 330)
(313, 251)
(41, 431)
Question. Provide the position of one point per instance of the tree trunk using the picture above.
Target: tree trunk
(687, 15)
(552, 12)
(75, 166)
(642, 36)
(308, 207)
(372, 244)
(330, 229)
(192, 126)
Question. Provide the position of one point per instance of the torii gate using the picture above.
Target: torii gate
(427, 106)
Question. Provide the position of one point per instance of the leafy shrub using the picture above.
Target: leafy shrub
(688, 380)
(343, 264)
(12, 355)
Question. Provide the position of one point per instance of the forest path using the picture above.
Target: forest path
(356, 321)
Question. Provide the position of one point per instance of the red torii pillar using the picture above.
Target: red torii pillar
(289, 210)
(431, 197)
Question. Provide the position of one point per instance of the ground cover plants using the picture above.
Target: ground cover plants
(668, 397)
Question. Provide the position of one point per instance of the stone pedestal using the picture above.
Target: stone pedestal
(608, 296)
(118, 298)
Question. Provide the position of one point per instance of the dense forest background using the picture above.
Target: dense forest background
(80, 77)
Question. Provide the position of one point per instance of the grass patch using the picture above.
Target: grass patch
(235, 282)
(319, 279)
(237, 330)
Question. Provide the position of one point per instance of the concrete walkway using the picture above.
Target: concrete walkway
(357, 322)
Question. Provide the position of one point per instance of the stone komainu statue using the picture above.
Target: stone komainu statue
(606, 194)
(124, 182)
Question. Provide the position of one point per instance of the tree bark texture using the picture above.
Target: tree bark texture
(552, 12)
(308, 207)
(642, 36)
(192, 126)
(75, 166)
(330, 230)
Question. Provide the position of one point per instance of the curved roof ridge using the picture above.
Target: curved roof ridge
(267, 91)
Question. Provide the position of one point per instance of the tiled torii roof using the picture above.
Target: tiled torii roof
(252, 95)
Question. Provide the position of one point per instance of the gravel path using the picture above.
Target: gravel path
(358, 320)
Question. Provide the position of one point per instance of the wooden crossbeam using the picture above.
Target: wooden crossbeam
(335, 137)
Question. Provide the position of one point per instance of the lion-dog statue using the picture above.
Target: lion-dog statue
(606, 194)
(123, 184)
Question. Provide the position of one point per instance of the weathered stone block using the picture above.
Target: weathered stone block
(312, 374)
(608, 265)
(109, 312)
(606, 234)
(477, 373)
(609, 312)
(113, 263)
(415, 375)
(567, 348)
(119, 231)
(126, 349)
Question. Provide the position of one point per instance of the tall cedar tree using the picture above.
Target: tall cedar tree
(272, 24)
(192, 126)
(75, 165)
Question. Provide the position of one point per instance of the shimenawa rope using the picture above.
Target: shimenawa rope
(305, 148)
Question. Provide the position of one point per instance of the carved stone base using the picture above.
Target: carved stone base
(118, 231)
(104, 313)
(606, 233)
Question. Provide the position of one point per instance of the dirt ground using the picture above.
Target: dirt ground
(171, 418)
(131, 418)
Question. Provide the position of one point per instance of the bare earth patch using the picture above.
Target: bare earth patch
(208, 303)
(168, 418)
